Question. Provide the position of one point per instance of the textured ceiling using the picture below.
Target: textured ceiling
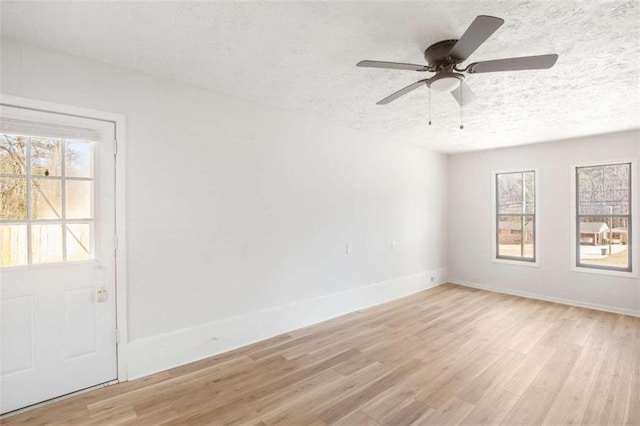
(301, 56)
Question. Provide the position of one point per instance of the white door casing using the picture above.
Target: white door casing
(58, 319)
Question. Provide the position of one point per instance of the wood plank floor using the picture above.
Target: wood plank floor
(450, 355)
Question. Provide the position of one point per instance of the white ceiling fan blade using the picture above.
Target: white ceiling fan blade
(463, 94)
(401, 92)
(539, 62)
(391, 65)
(478, 32)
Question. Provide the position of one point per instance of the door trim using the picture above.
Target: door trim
(119, 123)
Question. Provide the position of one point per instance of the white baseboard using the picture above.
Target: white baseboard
(596, 306)
(168, 350)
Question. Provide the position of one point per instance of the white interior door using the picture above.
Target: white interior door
(57, 258)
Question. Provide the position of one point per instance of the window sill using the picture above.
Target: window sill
(516, 262)
(622, 274)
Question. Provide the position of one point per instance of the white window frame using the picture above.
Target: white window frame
(119, 122)
(494, 217)
(634, 220)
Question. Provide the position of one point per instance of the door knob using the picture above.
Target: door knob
(103, 295)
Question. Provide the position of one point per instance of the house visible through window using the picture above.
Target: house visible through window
(603, 219)
(515, 216)
(46, 190)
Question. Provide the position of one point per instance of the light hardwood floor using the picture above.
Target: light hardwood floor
(450, 355)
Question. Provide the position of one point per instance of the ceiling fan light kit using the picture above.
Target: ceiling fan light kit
(444, 57)
(445, 81)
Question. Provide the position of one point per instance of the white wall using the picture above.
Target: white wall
(470, 235)
(238, 215)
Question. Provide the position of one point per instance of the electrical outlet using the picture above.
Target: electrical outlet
(432, 278)
(393, 245)
(347, 249)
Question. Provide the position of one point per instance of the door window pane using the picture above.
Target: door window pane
(79, 159)
(79, 196)
(79, 241)
(46, 243)
(12, 154)
(46, 199)
(13, 245)
(45, 183)
(13, 198)
(46, 157)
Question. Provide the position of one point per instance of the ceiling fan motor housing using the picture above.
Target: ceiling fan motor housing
(437, 55)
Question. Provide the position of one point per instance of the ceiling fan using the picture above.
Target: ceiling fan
(444, 57)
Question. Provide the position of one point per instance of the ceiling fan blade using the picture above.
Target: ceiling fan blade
(392, 65)
(514, 64)
(463, 94)
(478, 32)
(401, 92)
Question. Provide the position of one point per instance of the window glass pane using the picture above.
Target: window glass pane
(79, 159)
(604, 242)
(516, 236)
(509, 187)
(516, 192)
(604, 189)
(13, 245)
(46, 157)
(529, 186)
(79, 241)
(46, 199)
(79, 196)
(13, 198)
(46, 243)
(12, 154)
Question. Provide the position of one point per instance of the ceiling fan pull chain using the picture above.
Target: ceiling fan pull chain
(429, 105)
(460, 87)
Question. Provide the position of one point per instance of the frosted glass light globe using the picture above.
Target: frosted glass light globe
(445, 84)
